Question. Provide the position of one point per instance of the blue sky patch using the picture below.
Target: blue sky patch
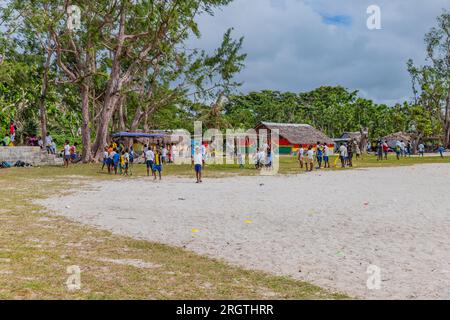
(338, 20)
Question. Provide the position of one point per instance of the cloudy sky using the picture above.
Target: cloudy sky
(297, 45)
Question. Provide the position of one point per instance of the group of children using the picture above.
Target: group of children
(306, 156)
(69, 153)
(118, 159)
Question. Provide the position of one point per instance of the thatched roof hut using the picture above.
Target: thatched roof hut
(397, 136)
(349, 136)
(293, 135)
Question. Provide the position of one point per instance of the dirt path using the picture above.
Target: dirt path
(324, 227)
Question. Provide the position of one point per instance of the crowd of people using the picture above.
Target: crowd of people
(402, 149)
(307, 156)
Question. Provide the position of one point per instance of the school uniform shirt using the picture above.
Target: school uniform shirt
(164, 152)
(301, 152)
(105, 155)
(421, 147)
(343, 151)
(310, 154)
(157, 159)
(149, 155)
(67, 150)
(48, 140)
(112, 154)
(326, 151)
(127, 157)
(198, 159)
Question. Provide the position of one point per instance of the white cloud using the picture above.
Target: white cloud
(291, 47)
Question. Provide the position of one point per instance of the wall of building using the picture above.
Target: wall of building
(32, 155)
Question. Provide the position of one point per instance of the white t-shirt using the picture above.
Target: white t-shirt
(48, 141)
(111, 156)
(310, 154)
(343, 151)
(105, 155)
(421, 147)
(301, 152)
(150, 156)
(126, 157)
(67, 150)
(164, 152)
(198, 159)
(326, 151)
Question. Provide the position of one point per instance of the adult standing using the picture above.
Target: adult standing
(12, 131)
(343, 154)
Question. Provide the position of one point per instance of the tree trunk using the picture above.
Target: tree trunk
(85, 130)
(42, 107)
(447, 121)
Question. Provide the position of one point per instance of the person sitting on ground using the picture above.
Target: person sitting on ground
(6, 141)
(48, 143)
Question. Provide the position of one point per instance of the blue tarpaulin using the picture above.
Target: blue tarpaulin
(138, 135)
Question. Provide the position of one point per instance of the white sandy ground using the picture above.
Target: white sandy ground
(324, 227)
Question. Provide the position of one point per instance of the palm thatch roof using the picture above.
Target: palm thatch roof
(351, 136)
(297, 133)
(398, 136)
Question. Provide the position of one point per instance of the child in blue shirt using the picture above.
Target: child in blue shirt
(116, 159)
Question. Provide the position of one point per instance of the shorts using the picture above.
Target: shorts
(326, 158)
(319, 158)
(73, 156)
(149, 164)
(157, 167)
(109, 161)
(116, 164)
(198, 168)
(309, 160)
(66, 157)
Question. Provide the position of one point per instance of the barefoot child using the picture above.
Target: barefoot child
(105, 158)
(149, 158)
(157, 167)
(116, 160)
(326, 156)
(310, 159)
(198, 162)
(66, 153)
(300, 156)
